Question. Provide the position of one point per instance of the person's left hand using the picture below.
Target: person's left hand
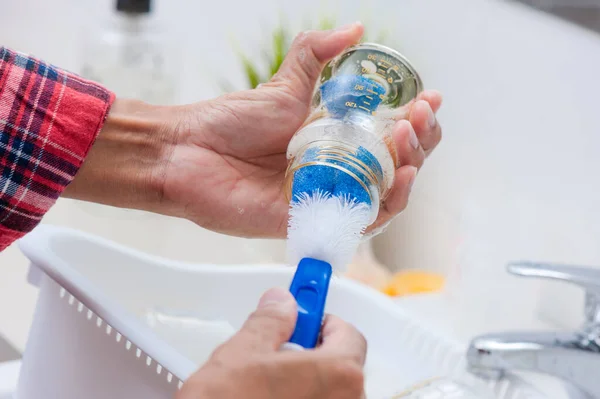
(221, 163)
(228, 174)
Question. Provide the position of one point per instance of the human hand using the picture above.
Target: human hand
(221, 163)
(236, 145)
(250, 365)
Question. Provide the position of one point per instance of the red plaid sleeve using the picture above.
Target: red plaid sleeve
(49, 118)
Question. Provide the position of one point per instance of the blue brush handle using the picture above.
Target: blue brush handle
(310, 286)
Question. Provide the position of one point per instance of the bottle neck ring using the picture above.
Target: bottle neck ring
(355, 163)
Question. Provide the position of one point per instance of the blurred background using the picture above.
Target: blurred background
(516, 176)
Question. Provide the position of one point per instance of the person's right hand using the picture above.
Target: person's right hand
(250, 365)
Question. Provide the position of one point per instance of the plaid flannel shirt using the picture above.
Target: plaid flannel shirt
(49, 119)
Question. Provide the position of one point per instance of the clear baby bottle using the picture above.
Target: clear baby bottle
(345, 146)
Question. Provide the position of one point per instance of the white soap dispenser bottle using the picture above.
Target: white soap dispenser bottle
(132, 55)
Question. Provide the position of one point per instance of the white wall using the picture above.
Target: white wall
(518, 168)
(516, 174)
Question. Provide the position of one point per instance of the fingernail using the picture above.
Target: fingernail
(411, 182)
(412, 137)
(275, 296)
(430, 116)
(345, 27)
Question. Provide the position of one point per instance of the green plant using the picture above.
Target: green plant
(281, 39)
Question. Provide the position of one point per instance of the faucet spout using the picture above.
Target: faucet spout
(573, 356)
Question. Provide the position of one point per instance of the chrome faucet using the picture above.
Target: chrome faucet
(573, 356)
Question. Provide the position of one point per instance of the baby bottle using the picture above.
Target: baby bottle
(341, 166)
(345, 147)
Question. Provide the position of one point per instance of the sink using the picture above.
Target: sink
(460, 318)
(136, 323)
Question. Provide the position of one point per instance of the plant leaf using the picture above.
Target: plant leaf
(251, 73)
(280, 49)
(280, 43)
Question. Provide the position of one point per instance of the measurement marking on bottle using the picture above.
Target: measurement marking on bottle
(371, 91)
(364, 102)
(364, 108)
(369, 97)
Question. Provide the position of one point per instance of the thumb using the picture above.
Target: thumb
(309, 53)
(270, 325)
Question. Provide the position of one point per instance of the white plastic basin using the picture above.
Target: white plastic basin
(92, 336)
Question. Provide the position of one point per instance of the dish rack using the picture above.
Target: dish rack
(90, 337)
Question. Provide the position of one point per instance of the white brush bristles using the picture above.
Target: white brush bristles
(327, 228)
